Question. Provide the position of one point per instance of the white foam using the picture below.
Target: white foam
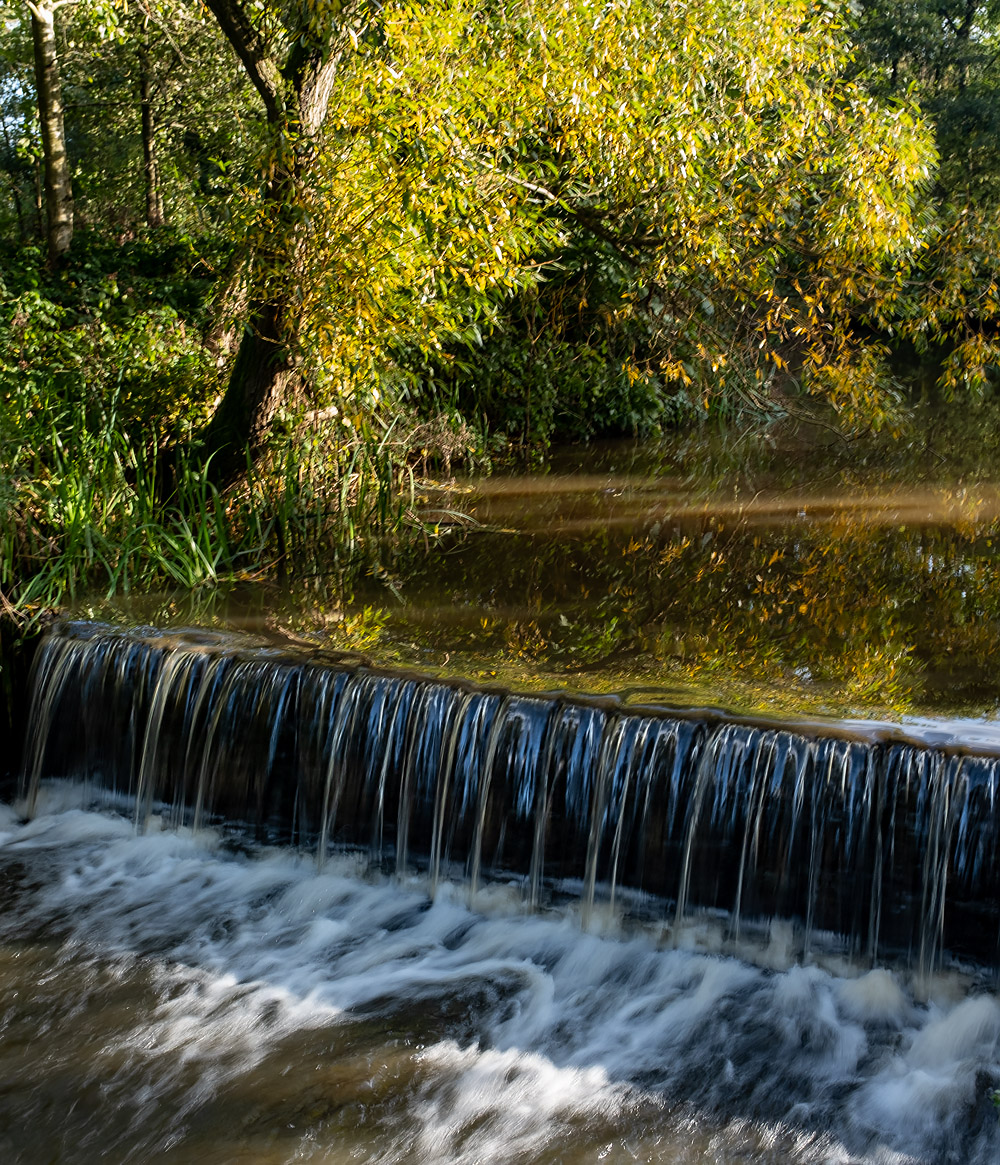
(9, 818)
(561, 1030)
(503, 1103)
(968, 1032)
(876, 997)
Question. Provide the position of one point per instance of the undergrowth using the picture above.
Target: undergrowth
(99, 375)
(84, 513)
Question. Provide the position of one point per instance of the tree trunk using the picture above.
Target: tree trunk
(58, 187)
(263, 371)
(154, 193)
(15, 193)
(296, 94)
(39, 203)
(259, 384)
(231, 302)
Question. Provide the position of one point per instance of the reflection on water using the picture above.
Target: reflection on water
(829, 577)
(788, 572)
(168, 999)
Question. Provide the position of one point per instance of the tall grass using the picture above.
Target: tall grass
(83, 515)
(103, 365)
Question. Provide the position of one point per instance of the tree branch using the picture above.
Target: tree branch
(250, 47)
(41, 11)
(315, 95)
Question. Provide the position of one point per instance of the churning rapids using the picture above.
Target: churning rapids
(265, 909)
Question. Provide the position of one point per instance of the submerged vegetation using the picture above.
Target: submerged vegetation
(263, 266)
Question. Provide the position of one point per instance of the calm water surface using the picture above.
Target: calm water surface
(784, 571)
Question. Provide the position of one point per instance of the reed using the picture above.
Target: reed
(84, 512)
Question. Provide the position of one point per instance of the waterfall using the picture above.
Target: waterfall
(889, 845)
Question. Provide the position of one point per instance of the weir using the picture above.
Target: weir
(887, 846)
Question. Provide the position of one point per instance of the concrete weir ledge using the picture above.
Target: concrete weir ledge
(958, 736)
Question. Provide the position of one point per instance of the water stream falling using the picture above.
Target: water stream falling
(281, 908)
(889, 845)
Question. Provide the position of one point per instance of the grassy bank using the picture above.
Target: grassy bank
(108, 369)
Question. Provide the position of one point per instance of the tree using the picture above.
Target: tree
(410, 166)
(158, 118)
(741, 177)
(293, 73)
(48, 86)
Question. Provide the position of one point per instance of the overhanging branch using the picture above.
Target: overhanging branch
(251, 48)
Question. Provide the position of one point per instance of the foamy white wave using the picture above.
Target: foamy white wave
(499, 1036)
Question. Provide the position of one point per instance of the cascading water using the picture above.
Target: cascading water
(887, 844)
(424, 991)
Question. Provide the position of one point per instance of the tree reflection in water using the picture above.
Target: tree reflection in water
(789, 571)
(834, 579)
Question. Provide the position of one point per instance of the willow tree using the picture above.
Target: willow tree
(291, 58)
(423, 156)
